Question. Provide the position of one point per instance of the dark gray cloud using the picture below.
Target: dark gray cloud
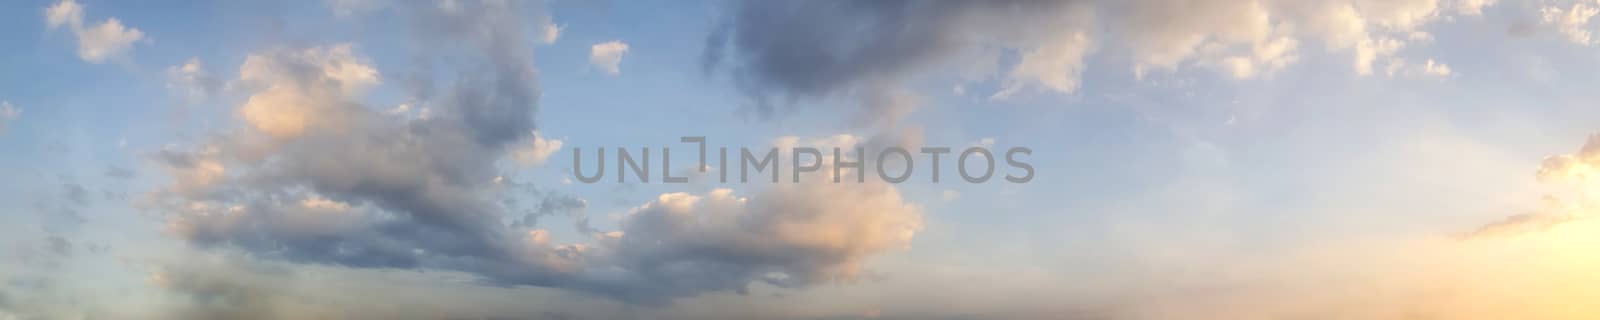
(75, 193)
(558, 204)
(780, 52)
(119, 172)
(60, 246)
(59, 217)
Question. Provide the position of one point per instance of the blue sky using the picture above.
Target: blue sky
(1242, 159)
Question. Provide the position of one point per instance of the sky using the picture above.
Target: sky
(1224, 159)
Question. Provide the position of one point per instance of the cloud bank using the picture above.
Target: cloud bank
(781, 54)
(312, 175)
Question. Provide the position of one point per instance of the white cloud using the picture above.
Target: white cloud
(1252, 38)
(96, 43)
(1436, 69)
(1055, 66)
(1572, 22)
(1428, 69)
(1473, 7)
(1264, 59)
(1401, 15)
(549, 32)
(607, 56)
(1163, 34)
(110, 38)
(536, 151)
(66, 12)
(1368, 52)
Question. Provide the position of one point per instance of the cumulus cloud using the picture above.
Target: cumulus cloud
(607, 56)
(312, 166)
(98, 42)
(1572, 20)
(64, 13)
(536, 151)
(303, 89)
(312, 175)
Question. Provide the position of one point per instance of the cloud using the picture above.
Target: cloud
(607, 56)
(120, 172)
(76, 193)
(312, 175)
(1577, 169)
(60, 246)
(353, 187)
(537, 151)
(550, 32)
(96, 43)
(8, 113)
(68, 13)
(1473, 7)
(1055, 66)
(194, 173)
(1429, 68)
(304, 89)
(236, 286)
(1574, 197)
(790, 236)
(410, 192)
(1522, 224)
(1572, 21)
(352, 7)
(191, 81)
(780, 54)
